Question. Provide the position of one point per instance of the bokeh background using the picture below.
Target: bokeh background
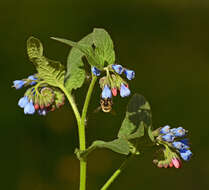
(166, 42)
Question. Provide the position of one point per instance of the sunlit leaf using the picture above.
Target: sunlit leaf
(86, 49)
(34, 48)
(97, 47)
(75, 75)
(103, 46)
(52, 72)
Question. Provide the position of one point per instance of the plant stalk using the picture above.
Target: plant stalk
(115, 174)
(81, 120)
(82, 137)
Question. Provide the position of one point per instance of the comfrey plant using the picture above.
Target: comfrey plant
(48, 88)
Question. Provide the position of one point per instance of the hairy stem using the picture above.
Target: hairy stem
(115, 174)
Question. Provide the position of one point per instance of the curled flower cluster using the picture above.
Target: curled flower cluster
(38, 98)
(18, 84)
(182, 145)
(173, 145)
(113, 82)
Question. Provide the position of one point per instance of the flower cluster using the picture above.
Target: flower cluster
(170, 138)
(113, 82)
(31, 80)
(182, 145)
(39, 98)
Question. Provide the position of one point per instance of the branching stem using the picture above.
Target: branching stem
(81, 126)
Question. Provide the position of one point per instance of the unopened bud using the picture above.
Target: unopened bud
(114, 91)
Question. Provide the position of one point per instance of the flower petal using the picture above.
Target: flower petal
(124, 91)
(129, 74)
(106, 92)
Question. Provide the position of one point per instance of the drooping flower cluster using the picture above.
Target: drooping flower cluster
(40, 97)
(170, 138)
(113, 82)
(31, 80)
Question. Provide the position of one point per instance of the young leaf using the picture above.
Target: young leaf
(138, 118)
(52, 72)
(34, 48)
(103, 46)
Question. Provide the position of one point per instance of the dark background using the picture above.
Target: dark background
(165, 42)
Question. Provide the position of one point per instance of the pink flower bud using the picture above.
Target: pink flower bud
(176, 162)
(114, 91)
(159, 165)
(42, 107)
(36, 106)
(171, 165)
(165, 165)
(48, 105)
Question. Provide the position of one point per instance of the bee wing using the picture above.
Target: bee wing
(97, 109)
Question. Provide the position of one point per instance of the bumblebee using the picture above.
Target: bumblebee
(106, 104)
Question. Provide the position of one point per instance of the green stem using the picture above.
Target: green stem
(73, 104)
(115, 174)
(87, 100)
(81, 126)
(82, 137)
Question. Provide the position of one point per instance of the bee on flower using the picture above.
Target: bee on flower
(112, 82)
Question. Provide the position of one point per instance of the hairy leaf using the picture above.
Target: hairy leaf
(103, 46)
(52, 72)
(34, 48)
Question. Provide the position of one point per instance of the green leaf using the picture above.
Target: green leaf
(119, 145)
(52, 72)
(137, 119)
(150, 134)
(75, 75)
(86, 50)
(98, 52)
(34, 48)
(103, 46)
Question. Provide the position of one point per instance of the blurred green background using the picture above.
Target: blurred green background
(166, 42)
